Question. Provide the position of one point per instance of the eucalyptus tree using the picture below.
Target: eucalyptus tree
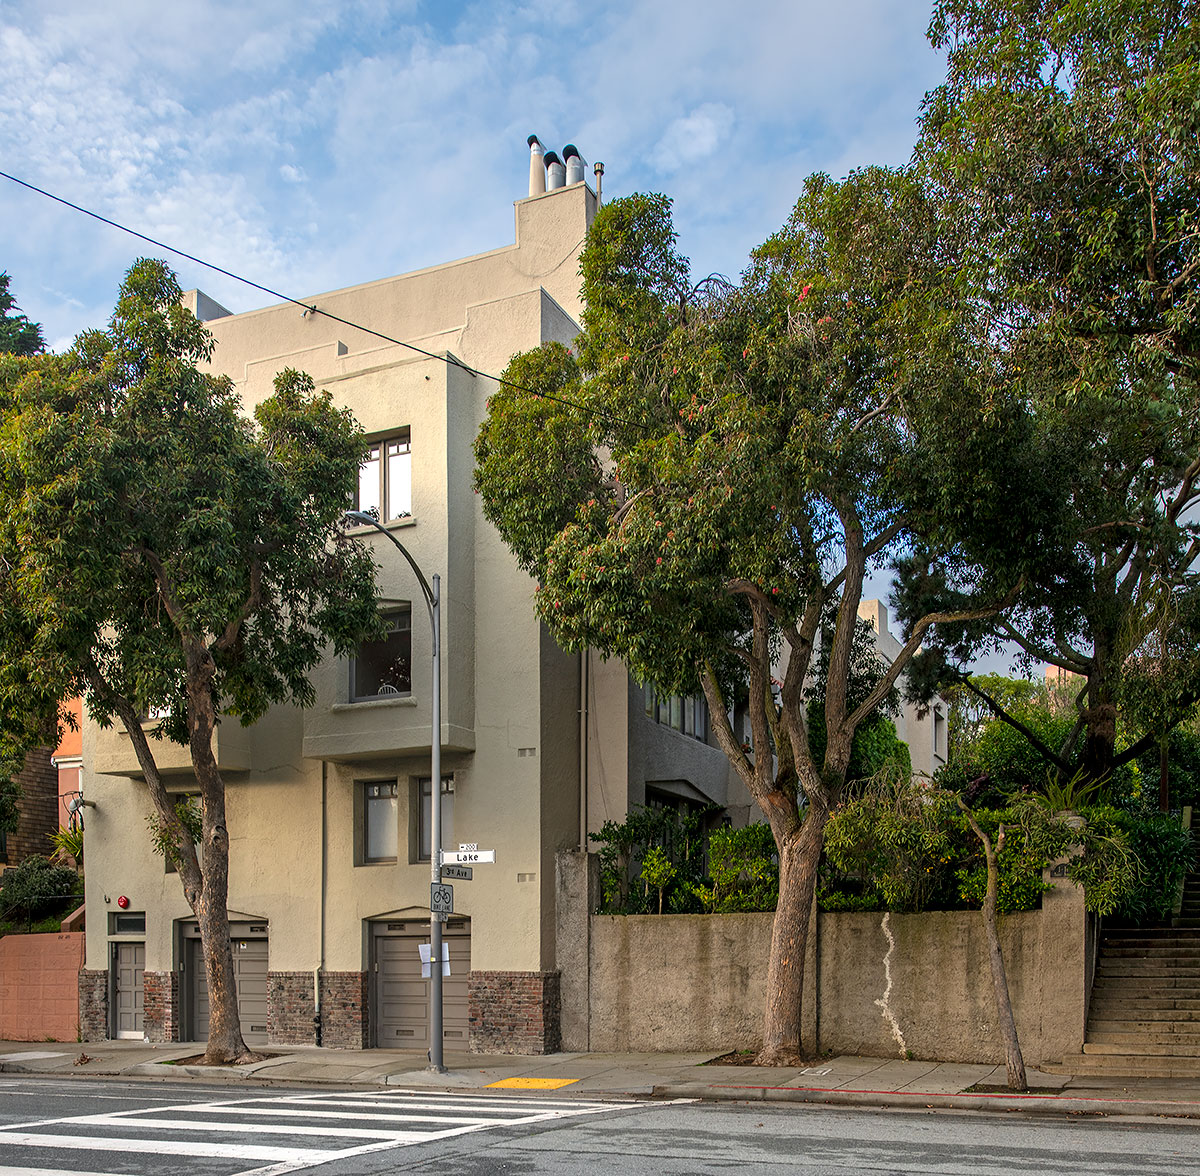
(1064, 152)
(19, 335)
(162, 553)
(710, 478)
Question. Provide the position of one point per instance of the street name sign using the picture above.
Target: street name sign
(461, 873)
(469, 857)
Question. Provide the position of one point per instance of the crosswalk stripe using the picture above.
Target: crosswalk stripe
(363, 1116)
(261, 1128)
(169, 1147)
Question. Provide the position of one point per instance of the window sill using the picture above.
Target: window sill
(376, 862)
(373, 704)
(394, 525)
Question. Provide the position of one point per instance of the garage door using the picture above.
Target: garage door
(250, 973)
(400, 996)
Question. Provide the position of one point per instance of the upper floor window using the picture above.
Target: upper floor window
(688, 715)
(385, 479)
(383, 669)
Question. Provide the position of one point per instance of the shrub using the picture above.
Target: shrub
(38, 889)
(743, 867)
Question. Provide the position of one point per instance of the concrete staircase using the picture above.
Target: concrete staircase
(1144, 1019)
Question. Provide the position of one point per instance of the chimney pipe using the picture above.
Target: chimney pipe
(599, 170)
(556, 173)
(537, 166)
(574, 162)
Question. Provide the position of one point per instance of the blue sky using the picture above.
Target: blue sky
(319, 145)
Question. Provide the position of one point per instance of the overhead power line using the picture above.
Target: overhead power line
(311, 308)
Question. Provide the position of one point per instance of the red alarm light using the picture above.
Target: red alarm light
(122, 902)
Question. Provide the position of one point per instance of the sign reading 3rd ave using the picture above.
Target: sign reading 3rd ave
(468, 857)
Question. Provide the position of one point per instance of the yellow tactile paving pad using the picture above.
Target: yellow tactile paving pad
(532, 1083)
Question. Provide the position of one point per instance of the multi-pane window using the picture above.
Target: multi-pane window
(688, 715)
(425, 815)
(385, 479)
(380, 821)
(383, 669)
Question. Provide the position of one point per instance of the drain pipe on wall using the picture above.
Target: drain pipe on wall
(317, 1012)
(584, 667)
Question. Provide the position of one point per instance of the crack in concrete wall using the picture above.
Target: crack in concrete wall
(884, 1001)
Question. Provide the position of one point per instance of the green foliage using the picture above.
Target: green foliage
(671, 841)
(18, 336)
(187, 809)
(10, 812)
(657, 871)
(1021, 863)
(38, 889)
(68, 845)
(893, 837)
(1058, 795)
(743, 868)
(1163, 852)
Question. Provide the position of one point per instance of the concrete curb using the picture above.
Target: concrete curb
(1030, 1104)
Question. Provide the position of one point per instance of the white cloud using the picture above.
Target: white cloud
(292, 175)
(693, 138)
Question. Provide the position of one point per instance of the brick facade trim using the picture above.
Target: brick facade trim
(345, 1010)
(515, 1012)
(160, 1006)
(291, 1009)
(93, 1004)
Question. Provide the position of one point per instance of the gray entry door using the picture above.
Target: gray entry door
(250, 974)
(129, 964)
(400, 996)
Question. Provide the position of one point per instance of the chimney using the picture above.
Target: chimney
(537, 167)
(574, 162)
(556, 173)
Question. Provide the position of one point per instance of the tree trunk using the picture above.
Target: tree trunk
(799, 857)
(1013, 1060)
(225, 1043)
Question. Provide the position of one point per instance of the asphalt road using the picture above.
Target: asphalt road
(88, 1127)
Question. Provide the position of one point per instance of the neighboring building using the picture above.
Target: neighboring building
(329, 808)
(923, 728)
(38, 812)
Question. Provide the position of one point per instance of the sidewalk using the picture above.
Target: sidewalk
(842, 1081)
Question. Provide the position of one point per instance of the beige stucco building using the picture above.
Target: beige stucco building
(329, 807)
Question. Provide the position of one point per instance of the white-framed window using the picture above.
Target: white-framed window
(688, 715)
(383, 669)
(385, 479)
(380, 820)
(425, 816)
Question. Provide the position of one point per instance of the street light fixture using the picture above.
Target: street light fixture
(433, 597)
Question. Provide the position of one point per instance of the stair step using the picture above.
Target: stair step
(1132, 1066)
(1128, 1013)
(1140, 1040)
(1169, 952)
(1144, 1049)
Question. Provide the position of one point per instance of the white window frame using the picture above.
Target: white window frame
(384, 484)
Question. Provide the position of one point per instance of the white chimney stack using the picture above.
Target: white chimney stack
(537, 167)
(574, 162)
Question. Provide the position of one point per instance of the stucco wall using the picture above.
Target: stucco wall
(697, 982)
(39, 987)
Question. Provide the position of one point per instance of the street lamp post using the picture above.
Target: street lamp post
(433, 603)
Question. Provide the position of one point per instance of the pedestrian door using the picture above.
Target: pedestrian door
(250, 974)
(399, 994)
(129, 965)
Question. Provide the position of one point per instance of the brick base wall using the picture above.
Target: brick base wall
(291, 1009)
(515, 1012)
(93, 1004)
(160, 1007)
(345, 1020)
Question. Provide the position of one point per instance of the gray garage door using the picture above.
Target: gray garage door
(250, 973)
(400, 997)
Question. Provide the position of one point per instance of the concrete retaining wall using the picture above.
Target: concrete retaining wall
(697, 982)
(39, 987)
